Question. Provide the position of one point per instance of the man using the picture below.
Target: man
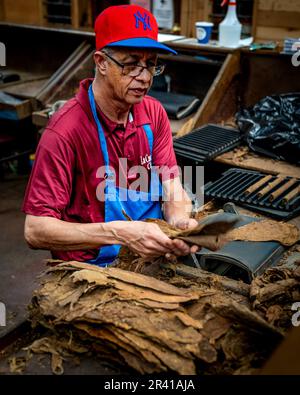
(74, 201)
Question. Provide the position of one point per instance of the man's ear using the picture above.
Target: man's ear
(100, 62)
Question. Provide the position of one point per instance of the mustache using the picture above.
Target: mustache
(140, 87)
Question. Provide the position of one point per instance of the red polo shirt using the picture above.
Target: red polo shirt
(64, 177)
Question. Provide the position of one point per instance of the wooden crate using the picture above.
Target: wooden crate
(276, 19)
(2, 15)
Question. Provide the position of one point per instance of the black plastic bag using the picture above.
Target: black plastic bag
(272, 126)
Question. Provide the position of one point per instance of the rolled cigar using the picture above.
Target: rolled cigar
(258, 184)
(271, 185)
(291, 195)
(282, 189)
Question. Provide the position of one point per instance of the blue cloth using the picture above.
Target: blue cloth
(138, 205)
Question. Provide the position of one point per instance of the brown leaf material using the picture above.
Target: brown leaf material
(266, 230)
(215, 328)
(58, 349)
(17, 364)
(273, 293)
(244, 316)
(273, 313)
(212, 242)
(209, 233)
(201, 323)
(57, 364)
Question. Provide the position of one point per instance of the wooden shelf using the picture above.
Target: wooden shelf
(276, 19)
(73, 13)
(270, 19)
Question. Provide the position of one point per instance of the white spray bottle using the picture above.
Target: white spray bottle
(230, 28)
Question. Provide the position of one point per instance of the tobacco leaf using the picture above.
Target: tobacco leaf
(266, 230)
(210, 231)
(246, 317)
(201, 323)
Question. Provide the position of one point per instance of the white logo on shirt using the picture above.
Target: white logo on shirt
(146, 160)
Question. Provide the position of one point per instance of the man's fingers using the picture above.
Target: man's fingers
(180, 247)
(186, 223)
(194, 249)
(182, 224)
(158, 236)
(193, 223)
(152, 249)
(159, 248)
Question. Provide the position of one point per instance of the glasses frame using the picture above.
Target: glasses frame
(158, 69)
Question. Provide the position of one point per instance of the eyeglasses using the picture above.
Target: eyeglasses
(133, 69)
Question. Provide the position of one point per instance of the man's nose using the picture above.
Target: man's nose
(145, 75)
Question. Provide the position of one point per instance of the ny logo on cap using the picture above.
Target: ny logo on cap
(145, 20)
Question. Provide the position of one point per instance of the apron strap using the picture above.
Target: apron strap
(149, 135)
(155, 185)
(100, 131)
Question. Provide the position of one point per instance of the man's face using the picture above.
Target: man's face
(125, 87)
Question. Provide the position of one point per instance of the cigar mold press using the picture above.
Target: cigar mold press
(240, 260)
(274, 196)
(207, 142)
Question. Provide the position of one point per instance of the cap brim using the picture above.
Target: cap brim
(142, 43)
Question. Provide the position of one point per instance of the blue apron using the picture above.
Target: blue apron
(138, 205)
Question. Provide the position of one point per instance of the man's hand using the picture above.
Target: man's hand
(177, 210)
(144, 238)
(148, 240)
(184, 224)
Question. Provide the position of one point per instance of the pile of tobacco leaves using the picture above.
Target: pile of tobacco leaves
(196, 323)
(163, 316)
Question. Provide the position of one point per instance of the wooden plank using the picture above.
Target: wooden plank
(68, 82)
(18, 111)
(279, 19)
(264, 75)
(184, 17)
(26, 89)
(210, 104)
(254, 18)
(2, 13)
(279, 5)
(75, 14)
(43, 13)
(62, 73)
(276, 19)
(197, 14)
(273, 33)
(177, 124)
(22, 11)
(40, 118)
(191, 12)
(90, 16)
(207, 11)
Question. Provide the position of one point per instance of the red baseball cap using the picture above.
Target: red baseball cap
(128, 26)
